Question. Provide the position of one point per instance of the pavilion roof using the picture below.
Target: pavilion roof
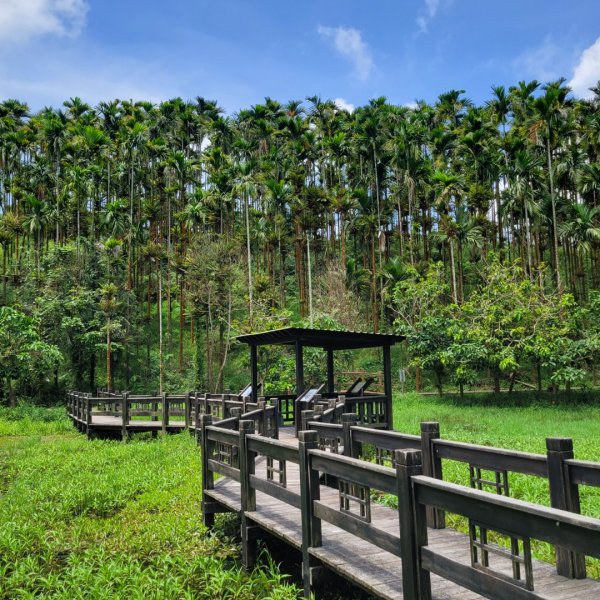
(321, 338)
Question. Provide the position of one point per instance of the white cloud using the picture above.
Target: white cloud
(344, 105)
(348, 42)
(21, 20)
(544, 62)
(431, 10)
(53, 79)
(587, 71)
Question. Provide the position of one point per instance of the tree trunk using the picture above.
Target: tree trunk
(11, 393)
(310, 298)
(554, 228)
(108, 356)
(161, 366)
(92, 380)
(249, 257)
(181, 320)
(374, 308)
(453, 269)
(299, 259)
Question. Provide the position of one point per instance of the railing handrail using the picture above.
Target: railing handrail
(444, 493)
(517, 461)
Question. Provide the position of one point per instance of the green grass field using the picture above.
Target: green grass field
(102, 519)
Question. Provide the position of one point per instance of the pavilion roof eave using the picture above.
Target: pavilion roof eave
(321, 338)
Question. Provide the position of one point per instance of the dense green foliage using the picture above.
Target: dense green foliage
(142, 237)
(103, 520)
(24, 356)
(507, 327)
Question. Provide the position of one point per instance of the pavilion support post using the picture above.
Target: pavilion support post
(254, 369)
(299, 383)
(387, 387)
(299, 368)
(330, 380)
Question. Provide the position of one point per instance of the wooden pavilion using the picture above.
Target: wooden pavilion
(330, 341)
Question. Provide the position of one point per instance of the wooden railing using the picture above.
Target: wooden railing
(187, 409)
(362, 461)
(167, 409)
(517, 521)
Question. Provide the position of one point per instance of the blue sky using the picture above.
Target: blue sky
(239, 52)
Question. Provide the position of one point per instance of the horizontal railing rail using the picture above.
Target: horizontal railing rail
(277, 456)
(582, 472)
(337, 453)
(492, 458)
(516, 521)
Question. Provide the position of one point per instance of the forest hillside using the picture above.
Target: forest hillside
(138, 239)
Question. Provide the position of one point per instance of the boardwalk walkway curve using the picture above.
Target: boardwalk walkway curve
(317, 492)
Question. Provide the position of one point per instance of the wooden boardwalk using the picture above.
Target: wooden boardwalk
(369, 567)
(113, 426)
(318, 484)
(310, 494)
(122, 415)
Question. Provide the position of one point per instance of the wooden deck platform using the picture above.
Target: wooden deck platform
(374, 570)
(104, 424)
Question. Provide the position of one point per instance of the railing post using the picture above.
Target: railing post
(263, 417)
(564, 495)
(197, 418)
(432, 467)
(413, 526)
(165, 412)
(309, 492)
(208, 479)
(297, 417)
(124, 415)
(318, 410)
(88, 417)
(276, 417)
(348, 420)
(305, 417)
(224, 414)
(248, 495)
(188, 410)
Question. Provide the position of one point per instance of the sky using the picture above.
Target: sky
(239, 52)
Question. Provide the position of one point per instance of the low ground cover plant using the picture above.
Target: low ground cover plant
(102, 519)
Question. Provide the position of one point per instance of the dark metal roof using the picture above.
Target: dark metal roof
(321, 338)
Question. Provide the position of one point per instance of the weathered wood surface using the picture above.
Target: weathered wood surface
(375, 570)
